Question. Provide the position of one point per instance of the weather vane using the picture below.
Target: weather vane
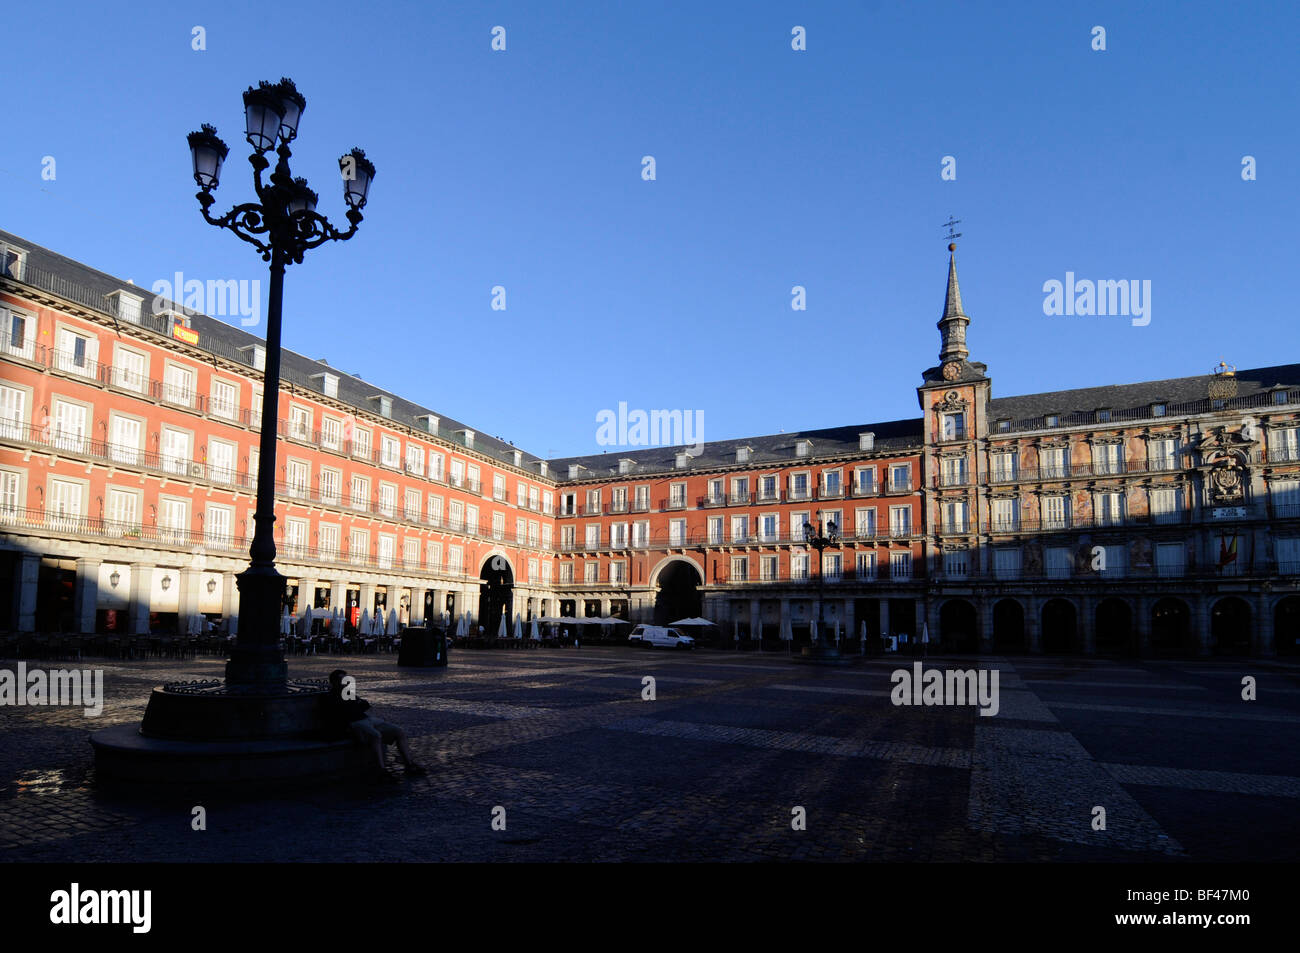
(950, 225)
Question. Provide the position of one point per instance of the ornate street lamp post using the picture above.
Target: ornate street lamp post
(821, 538)
(283, 224)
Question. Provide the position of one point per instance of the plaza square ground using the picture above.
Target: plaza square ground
(712, 769)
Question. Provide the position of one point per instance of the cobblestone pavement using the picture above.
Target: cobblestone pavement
(714, 767)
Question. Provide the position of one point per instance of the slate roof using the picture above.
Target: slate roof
(1137, 398)
(894, 435)
(78, 282)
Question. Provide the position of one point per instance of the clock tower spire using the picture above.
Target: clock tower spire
(952, 326)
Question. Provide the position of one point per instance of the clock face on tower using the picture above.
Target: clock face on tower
(951, 371)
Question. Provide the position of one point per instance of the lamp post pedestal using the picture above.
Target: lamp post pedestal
(258, 725)
(821, 651)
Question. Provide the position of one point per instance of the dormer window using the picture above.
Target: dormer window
(625, 465)
(517, 456)
(866, 441)
(11, 261)
(542, 467)
(1004, 426)
(574, 468)
(328, 384)
(683, 460)
(1157, 410)
(1279, 396)
(742, 454)
(1103, 416)
(430, 422)
(385, 405)
(466, 436)
(256, 356)
(126, 306)
(1053, 420)
(803, 448)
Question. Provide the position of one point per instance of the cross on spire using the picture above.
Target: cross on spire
(950, 225)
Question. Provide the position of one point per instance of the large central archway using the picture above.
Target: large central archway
(678, 595)
(495, 593)
(1170, 627)
(959, 627)
(1059, 626)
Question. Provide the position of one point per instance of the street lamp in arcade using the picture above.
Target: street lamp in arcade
(282, 225)
(821, 537)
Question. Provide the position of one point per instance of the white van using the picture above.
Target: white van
(652, 635)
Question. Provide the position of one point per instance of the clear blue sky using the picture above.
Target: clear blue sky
(775, 168)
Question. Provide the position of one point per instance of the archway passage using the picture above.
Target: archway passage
(1008, 626)
(1059, 627)
(1286, 626)
(495, 594)
(678, 596)
(959, 626)
(1115, 628)
(1170, 627)
(1230, 627)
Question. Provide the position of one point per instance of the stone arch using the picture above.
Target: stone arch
(1060, 626)
(1230, 626)
(1113, 625)
(1286, 626)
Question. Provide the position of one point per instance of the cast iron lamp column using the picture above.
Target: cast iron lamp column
(282, 225)
(820, 538)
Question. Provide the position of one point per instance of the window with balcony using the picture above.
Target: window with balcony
(217, 523)
(1056, 512)
(498, 487)
(436, 464)
(390, 451)
(1285, 496)
(1170, 559)
(360, 493)
(387, 499)
(1287, 550)
(224, 399)
(299, 423)
(770, 527)
(618, 499)
(359, 547)
(592, 531)
(13, 412)
(832, 566)
(76, 352)
(1006, 563)
(566, 573)
(740, 529)
(1005, 466)
(953, 514)
(1165, 505)
(1109, 509)
(296, 534)
(568, 537)
(221, 460)
(952, 471)
(641, 534)
(739, 568)
(641, 499)
(591, 571)
(799, 566)
(900, 477)
(864, 523)
(956, 564)
(900, 521)
(122, 509)
(715, 530)
(715, 496)
(131, 372)
(954, 426)
(1058, 562)
(767, 488)
(415, 459)
(387, 550)
(900, 566)
(455, 560)
(865, 566)
(1006, 515)
(1108, 458)
(832, 484)
(361, 443)
(411, 508)
(677, 495)
(126, 439)
(15, 333)
(618, 573)
(799, 486)
(1163, 453)
(676, 532)
(176, 451)
(768, 568)
(498, 526)
(1284, 445)
(298, 474)
(593, 503)
(1054, 463)
(174, 521)
(433, 557)
(618, 536)
(330, 534)
(178, 385)
(411, 553)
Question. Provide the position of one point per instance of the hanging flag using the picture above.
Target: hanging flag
(1227, 550)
